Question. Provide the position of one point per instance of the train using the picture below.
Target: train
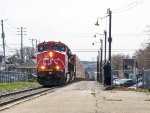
(56, 65)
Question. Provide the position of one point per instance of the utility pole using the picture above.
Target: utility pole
(101, 59)
(98, 73)
(32, 41)
(3, 37)
(32, 46)
(35, 43)
(109, 38)
(105, 33)
(21, 51)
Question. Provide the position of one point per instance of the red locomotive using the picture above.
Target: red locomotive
(55, 63)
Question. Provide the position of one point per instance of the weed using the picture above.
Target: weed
(17, 85)
(93, 93)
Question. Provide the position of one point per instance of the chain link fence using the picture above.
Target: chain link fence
(146, 79)
(122, 73)
(9, 76)
(142, 76)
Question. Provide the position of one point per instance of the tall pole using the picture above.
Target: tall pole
(36, 46)
(98, 66)
(21, 45)
(21, 51)
(32, 48)
(105, 33)
(109, 38)
(33, 45)
(101, 60)
(3, 37)
(36, 43)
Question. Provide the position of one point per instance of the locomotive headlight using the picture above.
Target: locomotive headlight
(42, 67)
(57, 68)
(51, 54)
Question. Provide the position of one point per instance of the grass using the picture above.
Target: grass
(144, 90)
(128, 89)
(16, 85)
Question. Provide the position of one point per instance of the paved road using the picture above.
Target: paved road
(85, 97)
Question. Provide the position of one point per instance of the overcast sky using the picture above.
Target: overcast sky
(72, 22)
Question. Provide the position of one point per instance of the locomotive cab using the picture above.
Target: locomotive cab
(53, 63)
(43, 48)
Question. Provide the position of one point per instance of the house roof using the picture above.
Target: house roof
(28, 65)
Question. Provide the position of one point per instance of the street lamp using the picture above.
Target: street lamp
(109, 38)
(105, 34)
(99, 61)
(95, 42)
(97, 24)
(97, 34)
(98, 69)
(109, 14)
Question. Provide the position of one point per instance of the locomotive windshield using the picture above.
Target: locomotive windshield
(58, 48)
(47, 47)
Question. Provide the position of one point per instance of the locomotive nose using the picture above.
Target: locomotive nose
(43, 67)
(51, 54)
(58, 68)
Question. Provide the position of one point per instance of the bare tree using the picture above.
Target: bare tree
(27, 53)
(117, 61)
(142, 56)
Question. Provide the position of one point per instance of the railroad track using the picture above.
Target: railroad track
(10, 99)
(13, 98)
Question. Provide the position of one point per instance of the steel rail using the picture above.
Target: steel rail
(18, 92)
(13, 95)
(12, 100)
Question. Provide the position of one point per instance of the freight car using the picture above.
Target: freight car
(56, 64)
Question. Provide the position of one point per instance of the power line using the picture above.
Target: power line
(12, 26)
(102, 51)
(130, 34)
(13, 44)
(98, 49)
(10, 48)
(128, 7)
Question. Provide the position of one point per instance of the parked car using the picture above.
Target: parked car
(115, 77)
(134, 77)
(123, 82)
(138, 85)
(117, 82)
